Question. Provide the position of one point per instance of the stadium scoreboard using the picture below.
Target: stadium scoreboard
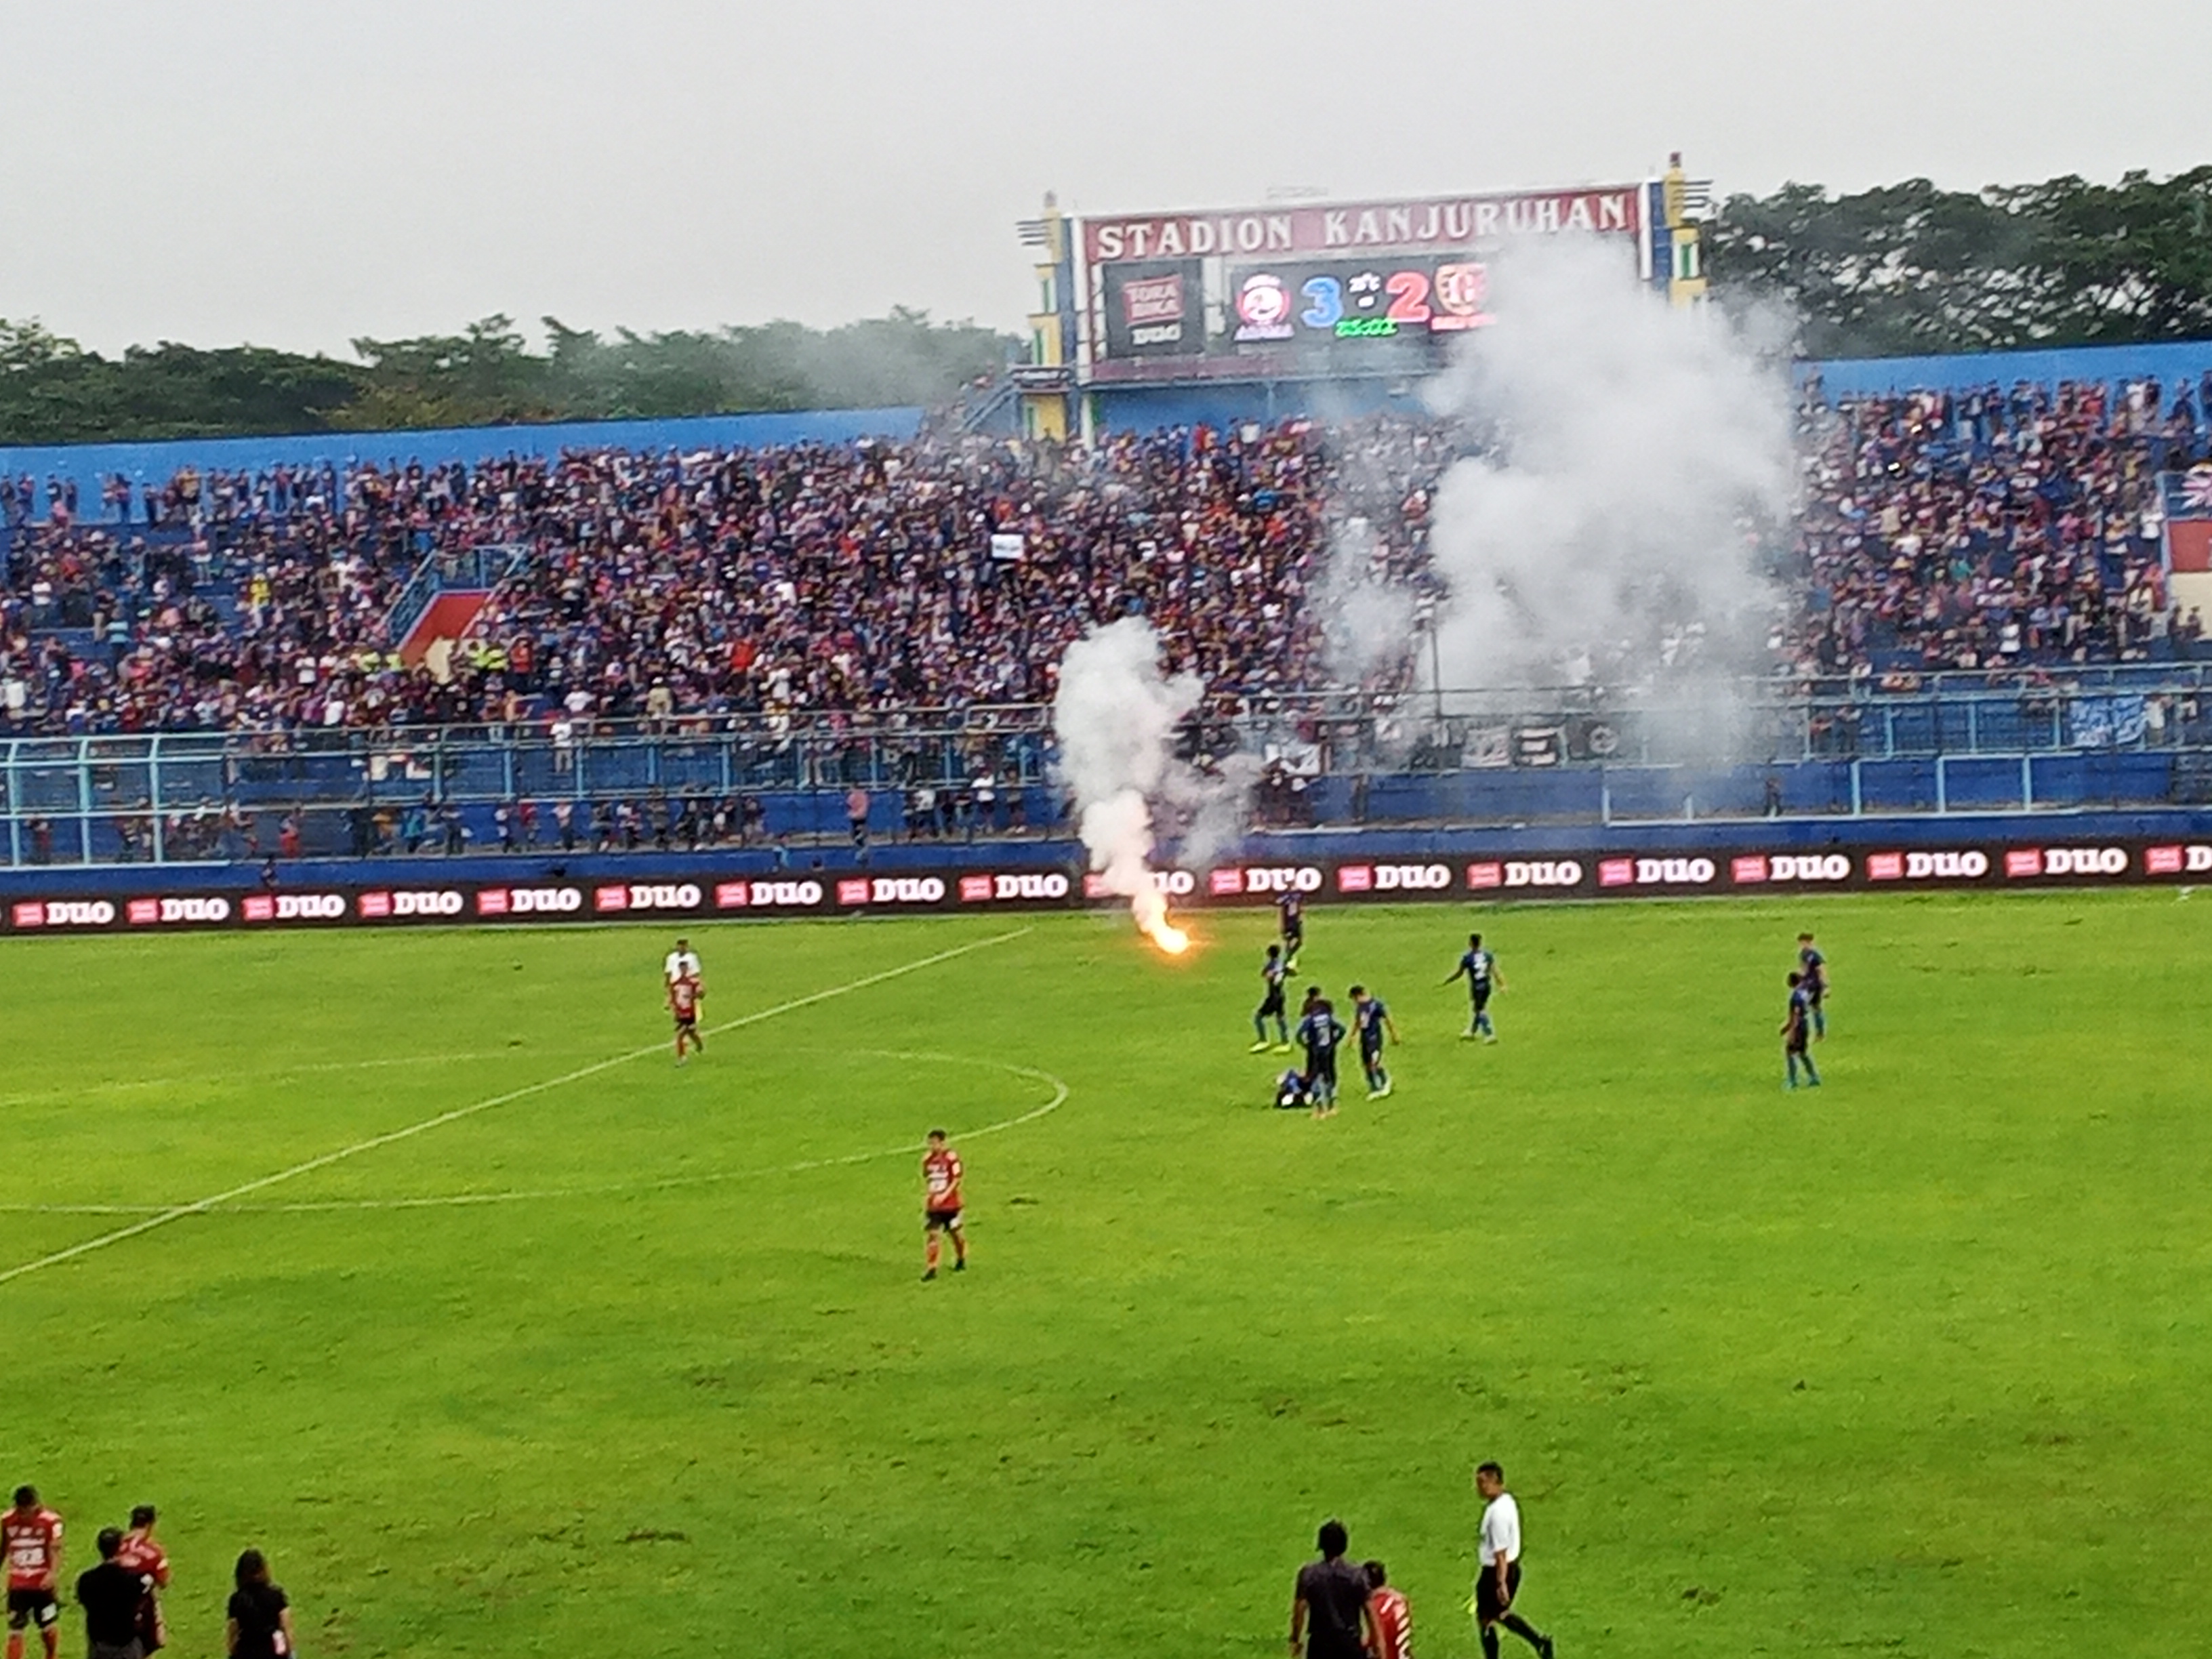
(1318, 287)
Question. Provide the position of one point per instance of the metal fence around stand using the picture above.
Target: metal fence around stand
(1329, 758)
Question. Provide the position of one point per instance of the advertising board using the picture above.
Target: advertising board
(415, 899)
(1155, 309)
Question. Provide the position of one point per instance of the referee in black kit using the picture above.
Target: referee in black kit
(1497, 1578)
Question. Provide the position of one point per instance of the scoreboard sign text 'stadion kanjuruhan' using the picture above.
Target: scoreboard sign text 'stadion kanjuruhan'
(1324, 276)
(414, 897)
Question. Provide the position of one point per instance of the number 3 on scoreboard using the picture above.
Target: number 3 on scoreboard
(1328, 307)
(1409, 296)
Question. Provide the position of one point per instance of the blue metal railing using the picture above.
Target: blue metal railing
(471, 570)
(1491, 757)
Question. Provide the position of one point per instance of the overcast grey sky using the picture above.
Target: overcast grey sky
(295, 175)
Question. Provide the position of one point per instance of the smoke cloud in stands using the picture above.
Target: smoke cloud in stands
(1611, 530)
(1116, 716)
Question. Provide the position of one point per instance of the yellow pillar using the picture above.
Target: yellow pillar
(1686, 280)
(1044, 409)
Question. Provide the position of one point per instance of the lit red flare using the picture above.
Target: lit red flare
(1151, 909)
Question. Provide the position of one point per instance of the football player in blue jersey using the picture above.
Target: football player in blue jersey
(1479, 968)
(1370, 1019)
(1813, 973)
(1273, 972)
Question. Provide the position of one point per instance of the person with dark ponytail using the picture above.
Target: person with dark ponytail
(260, 1624)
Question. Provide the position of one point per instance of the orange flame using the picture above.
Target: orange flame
(1151, 909)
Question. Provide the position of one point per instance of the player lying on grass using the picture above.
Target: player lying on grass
(1291, 1093)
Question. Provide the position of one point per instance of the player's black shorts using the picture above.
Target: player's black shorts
(1486, 1604)
(1274, 1004)
(1294, 932)
(1320, 1063)
(932, 1221)
(1794, 1044)
(1481, 995)
(26, 1605)
(1371, 1050)
(686, 1022)
(1813, 993)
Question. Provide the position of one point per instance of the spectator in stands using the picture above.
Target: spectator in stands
(856, 818)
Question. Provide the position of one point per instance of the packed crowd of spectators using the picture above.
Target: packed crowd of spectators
(948, 572)
(1990, 529)
(1981, 530)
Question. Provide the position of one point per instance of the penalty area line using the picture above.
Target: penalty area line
(262, 1183)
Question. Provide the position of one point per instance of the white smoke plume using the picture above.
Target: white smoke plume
(1116, 716)
(1366, 618)
(1612, 531)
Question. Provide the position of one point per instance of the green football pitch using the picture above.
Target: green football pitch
(413, 1259)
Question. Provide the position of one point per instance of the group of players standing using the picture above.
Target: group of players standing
(120, 1595)
(1320, 1032)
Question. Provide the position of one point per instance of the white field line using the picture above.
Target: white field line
(667, 1183)
(123, 1086)
(261, 1183)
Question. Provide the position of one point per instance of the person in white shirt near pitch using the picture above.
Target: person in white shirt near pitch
(1497, 1579)
(681, 965)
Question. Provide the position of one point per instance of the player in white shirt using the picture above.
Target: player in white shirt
(1497, 1579)
(681, 963)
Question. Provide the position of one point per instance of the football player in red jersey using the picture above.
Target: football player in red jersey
(1393, 1619)
(31, 1534)
(142, 1553)
(941, 1205)
(683, 1003)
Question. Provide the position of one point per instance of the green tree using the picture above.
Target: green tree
(52, 391)
(1911, 268)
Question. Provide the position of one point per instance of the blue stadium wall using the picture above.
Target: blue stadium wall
(2170, 364)
(1119, 408)
(1143, 409)
(158, 462)
(1140, 408)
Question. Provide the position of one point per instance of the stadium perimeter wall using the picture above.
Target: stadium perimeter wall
(1136, 408)
(158, 462)
(1746, 858)
(2170, 363)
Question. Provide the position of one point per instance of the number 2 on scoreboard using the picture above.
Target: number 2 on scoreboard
(1409, 296)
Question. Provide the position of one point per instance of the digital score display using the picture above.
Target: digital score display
(1314, 303)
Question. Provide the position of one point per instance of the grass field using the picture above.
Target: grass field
(1915, 1363)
